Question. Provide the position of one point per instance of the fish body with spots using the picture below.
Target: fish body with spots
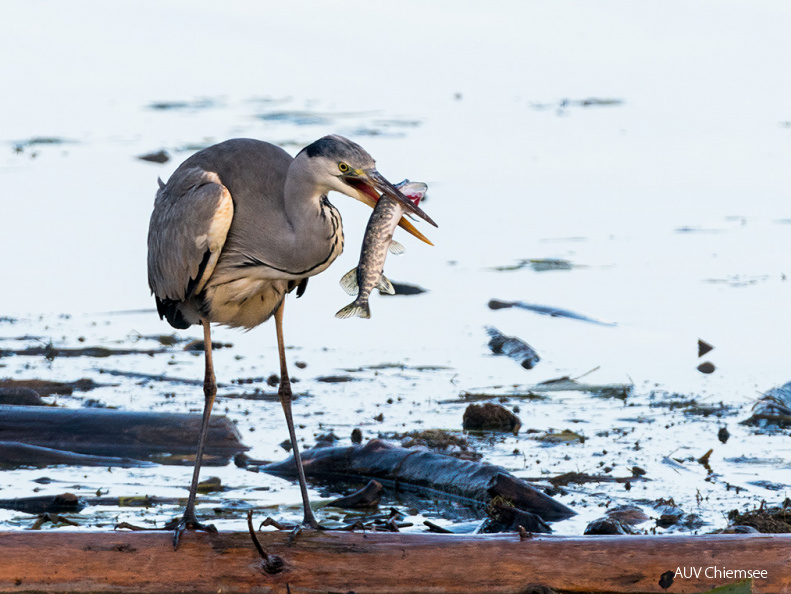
(378, 240)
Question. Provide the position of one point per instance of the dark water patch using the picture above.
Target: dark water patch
(770, 486)
(160, 156)
(547, 310)
(538, 265)
(308, 118)
(739, 280)
(691, 406)
(703, 230)
(192, 105)
(398, 366)
(563, 106)
(21, 146)
(154, 377)
(336, 379)
(406, 289)
(50, 352)
(369, 131)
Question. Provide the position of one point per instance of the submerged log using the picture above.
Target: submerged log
(112, 432)
(58, 561)
(14, 454)
(45, 387)
(68, 502)
(421, 470)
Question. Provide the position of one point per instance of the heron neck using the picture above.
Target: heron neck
(311, 218)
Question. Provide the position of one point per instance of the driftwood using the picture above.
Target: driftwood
(117, 433)
(15, 454)
(420, 470)
(20, 396)
(68, 502)
(384, 563)
(368, 496)
(45, 387)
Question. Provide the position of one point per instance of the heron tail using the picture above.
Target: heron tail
(361, 310)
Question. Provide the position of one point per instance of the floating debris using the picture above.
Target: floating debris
(773, 409)
(512, 347)
(547, 310)
(566, 384)
(557, 437)
(772, 520)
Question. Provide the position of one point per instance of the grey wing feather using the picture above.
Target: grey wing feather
(188, 228)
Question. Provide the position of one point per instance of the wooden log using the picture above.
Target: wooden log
(420, 470)
(14, 454)
(386, 563)
(118, 433)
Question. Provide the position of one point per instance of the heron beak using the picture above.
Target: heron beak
(378, 181)
(370, 182)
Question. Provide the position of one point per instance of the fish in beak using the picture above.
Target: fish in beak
(370, 183)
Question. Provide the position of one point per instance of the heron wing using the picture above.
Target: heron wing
(189, 225)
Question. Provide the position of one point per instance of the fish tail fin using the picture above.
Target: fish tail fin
(361, 310)
(385, 286)
(349, 282)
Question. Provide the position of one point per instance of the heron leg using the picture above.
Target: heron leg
(285, 399)
(189, 521)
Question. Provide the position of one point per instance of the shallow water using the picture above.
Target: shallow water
(670, 202)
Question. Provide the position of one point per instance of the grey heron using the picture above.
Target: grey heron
(237, 226)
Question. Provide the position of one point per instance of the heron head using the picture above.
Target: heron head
(346, 167)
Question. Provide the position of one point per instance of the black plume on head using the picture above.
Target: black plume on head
(338, 148)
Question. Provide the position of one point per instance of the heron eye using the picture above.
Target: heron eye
(343, 167)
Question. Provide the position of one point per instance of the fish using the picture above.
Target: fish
(378, 240)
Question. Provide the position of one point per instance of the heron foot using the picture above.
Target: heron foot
(188, 522)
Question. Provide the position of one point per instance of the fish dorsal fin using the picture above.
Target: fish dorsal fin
(385, 286)
(349, 282)
(396, 248)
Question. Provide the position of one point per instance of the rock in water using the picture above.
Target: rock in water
(490, 417)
